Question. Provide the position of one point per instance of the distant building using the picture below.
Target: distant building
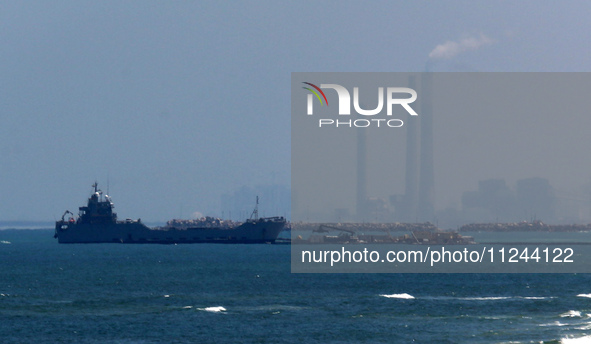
(536, 199)
(532, 199)
(493, 202)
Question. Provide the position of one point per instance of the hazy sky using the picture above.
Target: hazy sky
(177, 103)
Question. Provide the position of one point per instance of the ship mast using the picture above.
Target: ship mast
(255, 212)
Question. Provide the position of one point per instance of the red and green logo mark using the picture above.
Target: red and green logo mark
(316, 93)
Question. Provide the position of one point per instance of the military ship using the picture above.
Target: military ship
(97, 223)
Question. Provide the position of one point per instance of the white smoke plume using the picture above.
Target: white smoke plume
(450, 49)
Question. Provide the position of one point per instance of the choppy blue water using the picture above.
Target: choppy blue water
(207, 293)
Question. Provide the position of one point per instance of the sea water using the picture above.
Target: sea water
(213, 293)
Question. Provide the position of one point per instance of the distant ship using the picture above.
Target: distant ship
(97, 223)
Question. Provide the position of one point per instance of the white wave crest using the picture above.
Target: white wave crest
(584, 295)
(580, 340)
(586, 327)
(486, 298)
(556, 323)
(215, 309)
(398, 296)
(490, 298)
(493, 298)
(571, 314)
(5, 242)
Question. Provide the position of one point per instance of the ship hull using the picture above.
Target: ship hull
(264, 230)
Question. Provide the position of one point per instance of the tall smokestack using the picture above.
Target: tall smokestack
(411, 196)
(426, 177)
(361, 175)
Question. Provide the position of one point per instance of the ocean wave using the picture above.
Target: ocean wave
(580, 340)
(214, 309)
(270, 308)
(398, 296)
(584, 295)
(538, 297)
(556, 323)
(5, 242)
(571, 314)
(497, 298)
(585, 327)
(469, 298)
(486, 298)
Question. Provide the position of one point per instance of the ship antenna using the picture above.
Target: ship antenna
(255, 212)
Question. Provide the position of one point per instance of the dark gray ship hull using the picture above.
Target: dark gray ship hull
(264, 230)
